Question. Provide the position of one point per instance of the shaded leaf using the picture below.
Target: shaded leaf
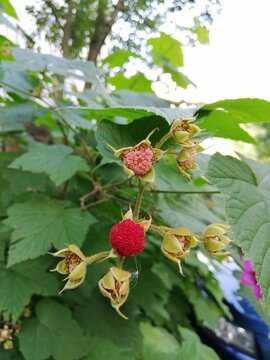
(20, 282)
(54, 160)
(52, 333)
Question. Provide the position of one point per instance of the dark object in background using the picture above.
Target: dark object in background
(246, 336)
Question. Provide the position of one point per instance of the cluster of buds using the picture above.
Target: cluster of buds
(6, 335)
(138, 160)
(215, 240)
(183, 133)
(177, 242)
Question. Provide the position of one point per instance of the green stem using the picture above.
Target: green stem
(163, 140)
(138, 201)
(157, 229)
(183, 192)
(97, 257)
(121, 262)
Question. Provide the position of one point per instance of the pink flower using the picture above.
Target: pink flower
(248, 277)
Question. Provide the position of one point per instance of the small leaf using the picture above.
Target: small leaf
(168, 48)
(136, 82)
(52, 334)
(54, 160)
(118, 58)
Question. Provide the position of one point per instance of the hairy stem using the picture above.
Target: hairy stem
(163, 140)
(139, 200)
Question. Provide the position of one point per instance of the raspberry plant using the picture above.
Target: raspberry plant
(131, 209)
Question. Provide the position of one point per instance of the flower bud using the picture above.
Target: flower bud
(215, 239)
(115, 286)
(138, 160)
(182, 131)
(177, 243)
(74, 265)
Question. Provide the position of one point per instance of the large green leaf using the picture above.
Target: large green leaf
(54, 160)
(129, 112)
(166, 47)
(26, 59)
(20, 282)
(134, 98)
(53, 333)
(40, 223)
(118, 58)
(246, 186)
(223, 118)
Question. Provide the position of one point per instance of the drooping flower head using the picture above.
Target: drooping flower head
(115, 286)
(186, 159)
(215, 240)
(248, 278)
(74, 265)
(182, 131)
(128, 236)
(177, 243)
(138, 160)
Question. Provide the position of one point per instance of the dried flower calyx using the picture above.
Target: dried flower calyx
(138, 160)
(186, 159)
(215, 240)
(115, 286)
(182, 131)
(74, 265)
(177, 243)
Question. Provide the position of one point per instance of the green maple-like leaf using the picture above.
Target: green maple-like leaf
(54, 160)
(246, 186)
(20, 282)
(42, 222)
(52, 334)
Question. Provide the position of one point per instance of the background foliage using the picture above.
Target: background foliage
(59, 184)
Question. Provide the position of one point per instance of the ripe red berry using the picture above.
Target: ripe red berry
(127, 238)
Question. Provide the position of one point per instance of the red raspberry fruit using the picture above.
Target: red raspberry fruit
(127, 238)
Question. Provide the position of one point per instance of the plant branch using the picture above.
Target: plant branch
(139, 200)
(102, 30)
(183, 192)
(54, 12)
